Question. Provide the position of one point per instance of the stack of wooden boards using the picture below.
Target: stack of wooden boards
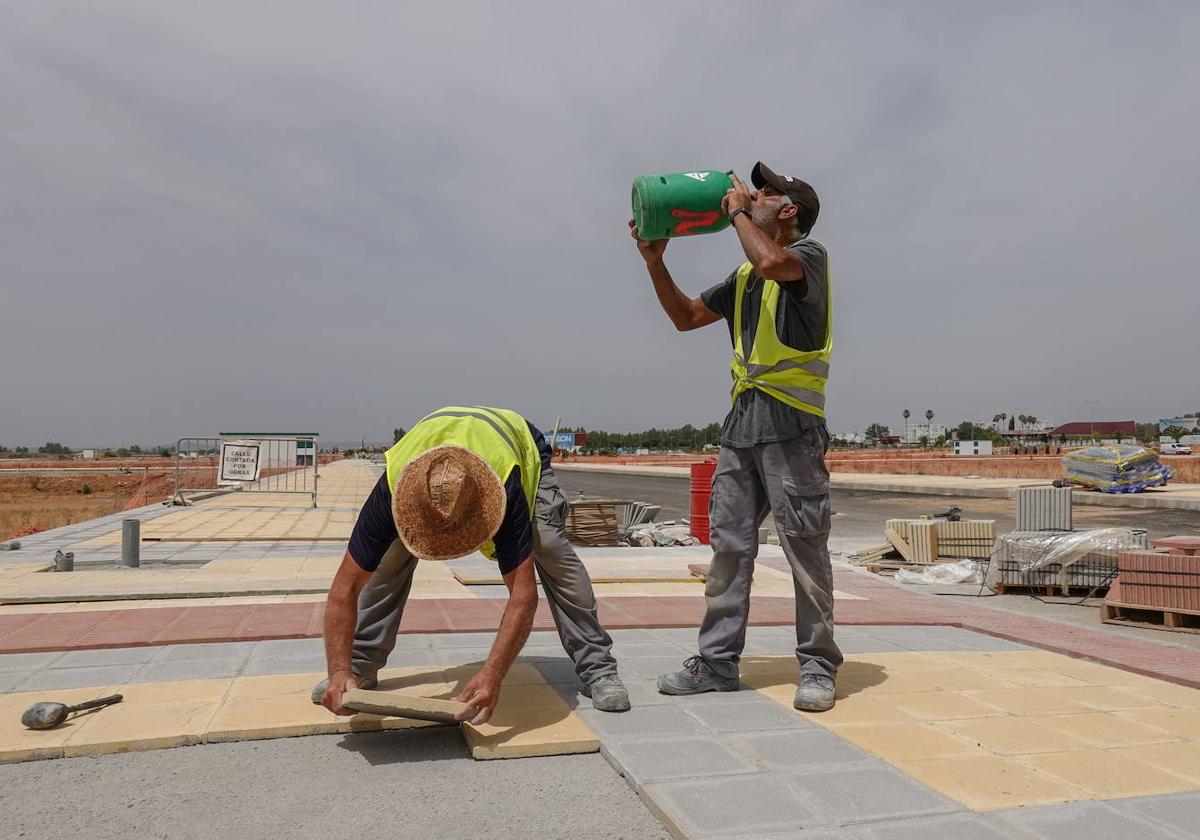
(922, 542)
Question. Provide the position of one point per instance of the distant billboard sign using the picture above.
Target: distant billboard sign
(241, 460)
(1191, 425)
(564, 440)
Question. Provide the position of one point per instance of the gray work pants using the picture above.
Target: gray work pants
(565, 584)
(790, 479)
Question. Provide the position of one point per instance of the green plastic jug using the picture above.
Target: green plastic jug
(680, 203)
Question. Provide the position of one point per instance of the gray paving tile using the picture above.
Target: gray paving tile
(861, 795)
(751, 805)
(207, 668)
(412, 641)
(558, 671)
(27, 661)
(752, 714)
(1104, 821)
(285, 665)
(214, 650)
(468, 640)
(51, 678)
(9, 680)
(656, 665)
(866, 644)
(274, 648)
(798, 749)
(657, 649)
(453, 656)
(111, 656)
(954, 827)
(642, 722)
(644, 761)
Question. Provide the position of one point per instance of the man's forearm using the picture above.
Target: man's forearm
(341, 618)
(514, 631)
(674, 302)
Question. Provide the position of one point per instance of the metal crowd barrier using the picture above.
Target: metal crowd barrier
(288, 464)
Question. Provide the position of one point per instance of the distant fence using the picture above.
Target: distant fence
(286, 464)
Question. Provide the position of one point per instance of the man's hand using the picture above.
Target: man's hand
(481, 693)
(651, 251)
(339, 684)
(736, 197)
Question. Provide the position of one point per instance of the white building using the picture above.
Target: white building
(929, 431)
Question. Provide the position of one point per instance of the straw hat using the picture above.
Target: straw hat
(447, 503)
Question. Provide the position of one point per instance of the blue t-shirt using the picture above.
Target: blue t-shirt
(375, 530)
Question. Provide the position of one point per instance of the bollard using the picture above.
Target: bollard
(131, 543)
(64, 562)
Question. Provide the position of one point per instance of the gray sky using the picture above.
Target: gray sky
(337, 217)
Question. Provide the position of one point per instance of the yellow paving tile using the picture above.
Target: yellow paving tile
(1181, 758)
(963, 679)
(1106, 776)
(1182, 722)
(1109, 698)
(1041, 678)
(991, 783)
(855, 709)
(937, 705)
(1100, 729)
(20, 744)
(1164, 693)
(898, 743)
(1014, 736)
(129, 726)
(549, 729)
(1027, 701)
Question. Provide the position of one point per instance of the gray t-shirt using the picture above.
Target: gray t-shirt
(757, 417)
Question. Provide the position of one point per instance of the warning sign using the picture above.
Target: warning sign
(241, 461)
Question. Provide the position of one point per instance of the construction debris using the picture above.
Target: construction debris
(964, 571)
(1115, 469)
(660, 534)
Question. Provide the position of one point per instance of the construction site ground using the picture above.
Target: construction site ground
(958, 717)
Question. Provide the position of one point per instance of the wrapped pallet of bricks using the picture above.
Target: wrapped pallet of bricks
(1115, 469)
(969, 538)
(1060, 561)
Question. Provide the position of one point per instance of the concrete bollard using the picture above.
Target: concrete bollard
(64, 561)
(131, 543)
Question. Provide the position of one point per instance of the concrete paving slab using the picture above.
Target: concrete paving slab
(654, 760)
(809, 749)
(859, 794)
(27, 661)
(752, 805)
(51, 679)
(752, 714)
(191, 669)
(217, 650)
(1085, 821)
(311, 664)
(640, 722)
(952, 827)
(1180, 813)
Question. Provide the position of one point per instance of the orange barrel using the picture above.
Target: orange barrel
(702, 476)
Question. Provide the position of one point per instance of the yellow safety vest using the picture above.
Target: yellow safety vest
(498, 436)
(794, 377)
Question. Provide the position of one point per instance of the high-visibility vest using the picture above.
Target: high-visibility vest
(498, 436)
(794, 377)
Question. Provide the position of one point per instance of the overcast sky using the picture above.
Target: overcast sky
(340, 216)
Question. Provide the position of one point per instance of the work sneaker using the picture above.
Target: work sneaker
(815, 693)
(318, 692)
(695, 678)
(608, 693)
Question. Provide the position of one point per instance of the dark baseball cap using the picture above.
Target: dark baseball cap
(800, 192)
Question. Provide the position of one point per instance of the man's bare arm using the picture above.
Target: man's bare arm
(341, 618)
(482, 692)
(770, 258)
(685, 313)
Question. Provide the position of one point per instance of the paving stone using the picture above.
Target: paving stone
(805, 749)
(1103, 778)
(737, 715)
(287, 647)
(642, 722)
(955, 827)
(1087, 821)
(27, 661)
(465, 640)
(53, 678)
(98, 658)
(10, 679)
(752, 805)
(656, 666)
(286, 665)
(190, 669)
(865, 644)
(863, 794)
(1179, 813)
(644, 761)
(216, 650)
(457, 655)
(559, 671)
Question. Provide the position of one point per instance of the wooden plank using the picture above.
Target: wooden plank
(899, 544)
(1150, 618)
(399, 704)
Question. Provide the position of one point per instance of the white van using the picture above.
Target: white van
(1175, 449)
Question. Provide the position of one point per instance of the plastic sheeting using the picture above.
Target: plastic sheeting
(964, 571)
(1116, 469)
(1060, 558)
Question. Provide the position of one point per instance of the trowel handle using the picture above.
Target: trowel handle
(96, 704)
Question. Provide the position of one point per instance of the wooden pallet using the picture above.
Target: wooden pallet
(1049, 590)
(1154, 618)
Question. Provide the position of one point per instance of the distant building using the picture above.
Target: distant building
(972, 447)
(1189, 424)
(929, 431)
(1085, 432)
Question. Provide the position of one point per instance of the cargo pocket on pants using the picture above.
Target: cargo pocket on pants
(807, 513)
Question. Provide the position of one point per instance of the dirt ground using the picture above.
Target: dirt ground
(32, 503)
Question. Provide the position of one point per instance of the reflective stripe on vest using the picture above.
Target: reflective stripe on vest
(498, 436)
(794, 377)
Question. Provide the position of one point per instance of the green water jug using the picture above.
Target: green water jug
(680, 203)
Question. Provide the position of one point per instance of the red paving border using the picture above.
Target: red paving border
(887, 604)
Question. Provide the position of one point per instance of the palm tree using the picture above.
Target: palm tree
(907, 414)
(929, 415)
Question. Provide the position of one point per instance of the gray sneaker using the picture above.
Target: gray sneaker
(608, 693)
(815, 693)
(695, 678)
(318, 692)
